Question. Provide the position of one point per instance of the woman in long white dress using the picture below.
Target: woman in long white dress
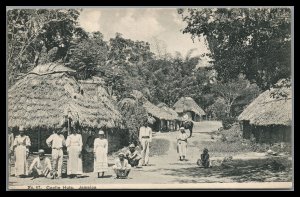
(74, 148)
(21, 146)
(100, 153)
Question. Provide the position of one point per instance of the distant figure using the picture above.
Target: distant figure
(57, 141)
(100, 154)
(74, 147)
(204, 159)
(187, 124)
(121, 167)
(145, 137)
(41, 166)
(133, 156)
(182, 144)
(21, 147)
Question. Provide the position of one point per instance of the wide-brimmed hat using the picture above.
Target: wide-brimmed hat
(181, 128)
(101, 132)
(41, 151)
(131, 146)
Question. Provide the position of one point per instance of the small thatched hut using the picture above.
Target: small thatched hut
(187, 105)
(268, 118)
(161, 116)
(46, 97)
(175, 122)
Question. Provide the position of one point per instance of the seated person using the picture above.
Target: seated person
(41, 166)
(121, 167)
(204, 159)
(133, 156)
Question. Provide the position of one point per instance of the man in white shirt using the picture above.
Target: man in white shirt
(40, 166)
(57, 141)
(145, 137)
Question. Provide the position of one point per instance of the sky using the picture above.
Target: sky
(146, 24)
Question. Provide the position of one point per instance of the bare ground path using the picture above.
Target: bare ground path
(165, 166)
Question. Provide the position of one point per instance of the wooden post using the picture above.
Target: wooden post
(39, 136)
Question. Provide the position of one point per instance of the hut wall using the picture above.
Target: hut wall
(266, 134)
(246, 129)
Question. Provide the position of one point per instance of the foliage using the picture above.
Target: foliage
(88, 56)
(29, 30)
(134, 115)
(234, 89)
(252, 41)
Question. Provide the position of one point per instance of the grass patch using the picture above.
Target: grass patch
(159, 147)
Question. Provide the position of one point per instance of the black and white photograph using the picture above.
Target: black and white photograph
(150, 98)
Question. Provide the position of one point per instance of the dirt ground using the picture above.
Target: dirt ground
(165, 166)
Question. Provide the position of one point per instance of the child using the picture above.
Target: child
(204, 159)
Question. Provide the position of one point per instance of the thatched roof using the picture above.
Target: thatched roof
(169, 110)
(157, 112)
(188, 104)
(50, 68)
(266, 110)
(44, 99)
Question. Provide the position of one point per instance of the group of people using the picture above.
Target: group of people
(182, 138)
(43, 166)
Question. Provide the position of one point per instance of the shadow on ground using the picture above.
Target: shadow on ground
(258, 170)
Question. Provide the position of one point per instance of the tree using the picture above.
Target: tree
(29, 30)
(134, 115)
(233, 89)
(253, 41)
(88, 56)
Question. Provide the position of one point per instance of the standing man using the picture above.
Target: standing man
(57, 141)
(145, 137)
(182, 144)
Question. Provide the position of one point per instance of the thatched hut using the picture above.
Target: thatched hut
(187, 106)
(175, 122)
(268, 118)
(49, 95)
(161, 116)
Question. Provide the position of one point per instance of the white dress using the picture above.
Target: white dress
(21, 144)
(74, 147)
(100, 149)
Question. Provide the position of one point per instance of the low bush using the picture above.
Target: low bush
(227, 122)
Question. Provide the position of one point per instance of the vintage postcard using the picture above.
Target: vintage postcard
(150, 98)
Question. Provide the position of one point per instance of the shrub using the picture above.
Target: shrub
(227, 122)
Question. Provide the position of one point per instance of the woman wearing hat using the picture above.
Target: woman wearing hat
(100, 153)
(182, 144)
(74, 148)
(21, 147)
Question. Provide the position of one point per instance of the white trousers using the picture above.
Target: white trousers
(57, 160)
(145, 142)
(182, 146)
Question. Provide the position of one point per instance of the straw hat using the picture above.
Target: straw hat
(131, 146)
(101, 132)
(121, 154)
(41, 151)
(181, 128)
